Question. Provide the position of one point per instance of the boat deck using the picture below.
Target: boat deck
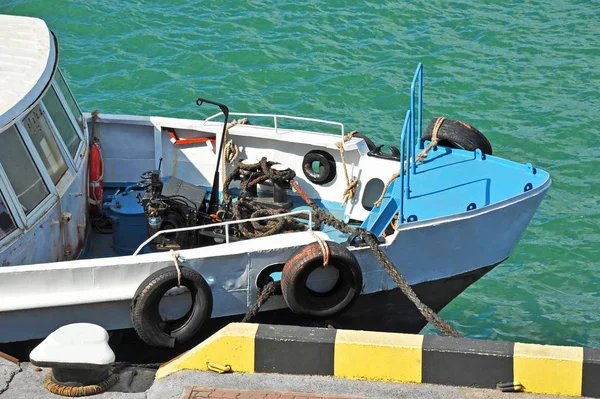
(100, 243)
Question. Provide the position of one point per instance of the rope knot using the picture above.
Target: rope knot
(434, 139)
(176, 259)
(351, 184)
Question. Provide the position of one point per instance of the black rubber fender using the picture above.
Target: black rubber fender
(457, 134)
(326, 171)
(370, 144)
(145, 315)
(302, 300)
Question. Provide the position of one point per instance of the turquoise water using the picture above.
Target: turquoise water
(526, 73)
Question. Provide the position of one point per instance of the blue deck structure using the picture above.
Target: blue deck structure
(449, 181)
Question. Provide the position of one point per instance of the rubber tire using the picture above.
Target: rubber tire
(145, 315)
(326, 173)
(303, 301)
(457, 134)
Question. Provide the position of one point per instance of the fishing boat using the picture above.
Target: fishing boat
(165, 224)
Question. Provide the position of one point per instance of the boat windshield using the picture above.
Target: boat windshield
(61, 120)
(45, 143)
(7, 223)
(21, 171)
(68, 95)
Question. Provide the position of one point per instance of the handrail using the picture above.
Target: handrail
(414, 113)
(276, 116)
(405, 181)
(192, 228)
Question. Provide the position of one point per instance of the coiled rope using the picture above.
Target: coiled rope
(247, 208)
(87, 390)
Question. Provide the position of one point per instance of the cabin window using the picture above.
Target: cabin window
(66, 92)
(45, 143)
(22, 173)
(7, 223)
(61, 121)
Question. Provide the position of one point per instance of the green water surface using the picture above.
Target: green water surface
(526, 73)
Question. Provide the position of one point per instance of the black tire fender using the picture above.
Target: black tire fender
(302, 300)
(370, 145)
(145, 315)
(457, 134)
(326, 171)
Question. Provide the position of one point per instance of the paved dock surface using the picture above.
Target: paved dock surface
(25, 382)
(204, 392)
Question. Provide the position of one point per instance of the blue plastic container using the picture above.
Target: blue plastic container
(129, 225)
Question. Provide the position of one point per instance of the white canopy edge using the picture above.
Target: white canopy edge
(28, 57)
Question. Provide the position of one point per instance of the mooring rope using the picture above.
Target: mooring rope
(176, 258)
(351, 184)
(434, 139)
(377, 203)
(323, 217)
(72, 391)
(263, 296)
(95, 128)
(431, 317)
(324, 247)
(230, 149)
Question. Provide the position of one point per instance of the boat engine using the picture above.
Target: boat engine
(176, 205)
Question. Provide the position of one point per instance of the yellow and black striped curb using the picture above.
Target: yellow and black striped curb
(260, 348)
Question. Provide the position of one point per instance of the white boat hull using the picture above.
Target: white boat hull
(100, 290)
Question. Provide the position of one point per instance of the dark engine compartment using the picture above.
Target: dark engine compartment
(177, 205)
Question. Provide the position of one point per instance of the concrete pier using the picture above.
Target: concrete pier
(283, 362)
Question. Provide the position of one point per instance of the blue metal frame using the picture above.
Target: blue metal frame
(393, 203)
(417, 112)
(404, 186)
(453, 182)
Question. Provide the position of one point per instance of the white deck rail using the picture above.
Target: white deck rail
(276, 117)
(192, 228)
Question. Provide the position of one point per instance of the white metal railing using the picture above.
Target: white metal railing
(276, 116)
(205, 226)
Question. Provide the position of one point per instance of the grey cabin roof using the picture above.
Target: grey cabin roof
(27, 58)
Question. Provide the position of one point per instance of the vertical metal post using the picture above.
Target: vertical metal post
(403, 144)
(214, 193)
(416, 118)
(409, 151)
(420, 121)
(227, 233)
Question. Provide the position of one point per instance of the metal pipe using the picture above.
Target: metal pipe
(228, 223)
(212, 203)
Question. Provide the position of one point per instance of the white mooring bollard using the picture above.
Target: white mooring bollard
(80, 358)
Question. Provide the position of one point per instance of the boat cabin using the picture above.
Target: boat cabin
(43, 146)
